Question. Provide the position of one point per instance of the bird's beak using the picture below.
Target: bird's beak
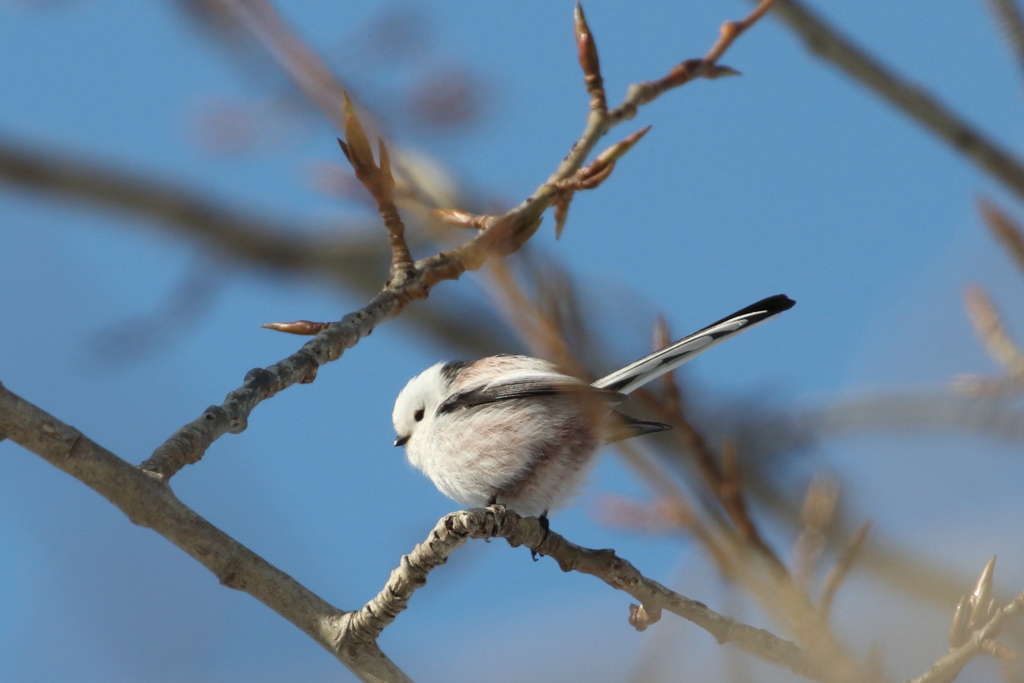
(402, 440)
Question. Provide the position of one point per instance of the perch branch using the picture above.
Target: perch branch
(453, 530)
(149, 502)
(351, 636)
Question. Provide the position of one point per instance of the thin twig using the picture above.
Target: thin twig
(350, 259)
(1004, 228)
(949, 667)
(293, 55)
(379, 181)
(730, 493)
(639, 94)
(505, 236)
(1011, 25)
(841, 569)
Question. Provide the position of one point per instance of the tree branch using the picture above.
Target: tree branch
(829, 44)
(355, 262)
(149, 502)
(351, 636)
(949, 667)
(503, 237)
(453, 530)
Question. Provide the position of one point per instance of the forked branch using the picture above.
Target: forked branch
(453, 530)
(502, 237)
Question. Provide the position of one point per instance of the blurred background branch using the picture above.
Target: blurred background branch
(548, 304)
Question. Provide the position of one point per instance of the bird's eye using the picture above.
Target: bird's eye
(418, 415)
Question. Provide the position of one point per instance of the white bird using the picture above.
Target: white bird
(513, 430)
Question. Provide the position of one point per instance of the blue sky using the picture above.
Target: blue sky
(790, 179)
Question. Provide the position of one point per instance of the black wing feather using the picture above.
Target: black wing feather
(524, 388)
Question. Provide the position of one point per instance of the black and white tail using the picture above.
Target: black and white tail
(672, 356)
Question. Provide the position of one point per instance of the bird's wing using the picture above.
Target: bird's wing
(527, 384)
(658, 363)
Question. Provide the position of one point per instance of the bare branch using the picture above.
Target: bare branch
(640, 94)
(150, 503)
(829, 44)
(1004, 228)
(351, 636)
(454, 529)
(842, 567)
(381, 185)
(295, 58)
(1011, 25)
(505, 236)
(980, 641)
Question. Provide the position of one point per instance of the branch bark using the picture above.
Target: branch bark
(149, 502)
(351, 637)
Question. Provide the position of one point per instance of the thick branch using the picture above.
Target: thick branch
(150, 503)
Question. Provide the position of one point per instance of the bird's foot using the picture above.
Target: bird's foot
(546, 526)
(492, 502)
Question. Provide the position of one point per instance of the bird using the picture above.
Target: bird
(513, 430)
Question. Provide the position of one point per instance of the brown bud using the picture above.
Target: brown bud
(463, 219)
(357, 146)
(617, 150)
(562, 213)
(303, 327)
(585, 45)
(640, 617)
(958, 629)
(981, 598)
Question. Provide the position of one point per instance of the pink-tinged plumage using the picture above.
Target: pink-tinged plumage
(514, 430)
